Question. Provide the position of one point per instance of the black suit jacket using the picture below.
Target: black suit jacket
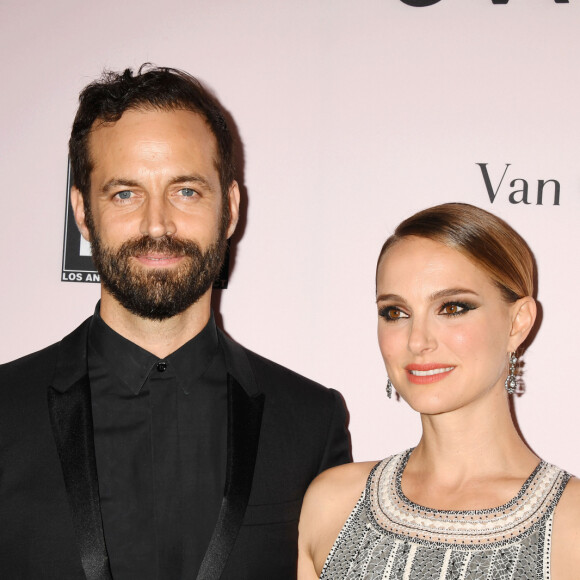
(282, 431)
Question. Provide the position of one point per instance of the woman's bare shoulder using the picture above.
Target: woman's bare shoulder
(565, 555)
(327, 504)
(335, 492)
(342, 480)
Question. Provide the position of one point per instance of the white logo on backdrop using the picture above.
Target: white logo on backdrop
(85, 248)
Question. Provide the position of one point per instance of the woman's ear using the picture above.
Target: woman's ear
(523, 316)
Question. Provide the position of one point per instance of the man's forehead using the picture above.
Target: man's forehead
(173, 127)
(151, 116)
(169, 141)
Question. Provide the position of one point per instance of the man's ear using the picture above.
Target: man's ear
(524, 313)
(78, 207)
(234, 203)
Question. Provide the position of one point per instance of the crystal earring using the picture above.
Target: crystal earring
(389, 388)
(510, 382)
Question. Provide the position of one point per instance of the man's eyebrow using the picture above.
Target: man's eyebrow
(445, 293)
(114, 183)
(193, 178)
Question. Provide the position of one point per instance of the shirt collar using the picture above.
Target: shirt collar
(133, 364)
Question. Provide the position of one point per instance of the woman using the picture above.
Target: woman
(454, 298)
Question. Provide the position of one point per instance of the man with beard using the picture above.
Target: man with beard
(147, 444)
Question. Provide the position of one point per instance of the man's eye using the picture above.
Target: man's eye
(126, 194)
(187, 192)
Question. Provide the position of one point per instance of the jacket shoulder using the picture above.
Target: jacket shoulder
(298, 410)
(271, 373)
(41, 362)
(41, 366)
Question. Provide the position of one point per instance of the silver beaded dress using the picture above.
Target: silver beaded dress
(388, 537)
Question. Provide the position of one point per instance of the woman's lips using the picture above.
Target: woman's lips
(428, 373)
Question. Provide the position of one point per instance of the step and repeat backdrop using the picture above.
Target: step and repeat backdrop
(351, 115)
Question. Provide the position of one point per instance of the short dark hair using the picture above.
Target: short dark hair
(156, 88)
(482, 237)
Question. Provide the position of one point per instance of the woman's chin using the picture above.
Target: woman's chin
(430, 403)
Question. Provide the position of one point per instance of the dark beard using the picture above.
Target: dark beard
(157, 294)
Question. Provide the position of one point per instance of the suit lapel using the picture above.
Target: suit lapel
(69, 403)
(244, 423)
(72, 425)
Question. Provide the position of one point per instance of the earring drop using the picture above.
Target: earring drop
(389, 388)
(510, 382)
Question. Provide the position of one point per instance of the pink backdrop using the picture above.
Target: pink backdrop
(353, 115)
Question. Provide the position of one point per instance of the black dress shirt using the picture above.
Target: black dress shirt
(160, 441)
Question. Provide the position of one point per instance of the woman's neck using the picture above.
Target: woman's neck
(470, 453)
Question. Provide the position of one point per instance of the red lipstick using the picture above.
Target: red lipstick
(428, 373)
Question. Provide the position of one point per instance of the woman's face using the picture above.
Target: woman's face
(444, 329)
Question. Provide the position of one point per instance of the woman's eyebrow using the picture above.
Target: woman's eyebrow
(394, 297)
(447, 292)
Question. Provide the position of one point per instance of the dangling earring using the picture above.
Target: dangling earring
(389, 388)
(510, 382)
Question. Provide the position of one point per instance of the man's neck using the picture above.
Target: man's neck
(160, 338)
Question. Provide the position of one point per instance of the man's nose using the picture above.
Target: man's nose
(157, 218)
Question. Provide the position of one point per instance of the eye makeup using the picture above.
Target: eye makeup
(456, 308)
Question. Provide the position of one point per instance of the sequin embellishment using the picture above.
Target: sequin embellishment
(388, 537)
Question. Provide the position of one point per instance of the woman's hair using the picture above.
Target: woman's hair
(486, 240)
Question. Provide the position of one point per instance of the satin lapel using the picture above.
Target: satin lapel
(72, 426)
(244, 423)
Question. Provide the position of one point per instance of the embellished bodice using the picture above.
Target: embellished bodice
(388, 537)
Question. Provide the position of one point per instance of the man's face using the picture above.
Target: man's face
(157, 223)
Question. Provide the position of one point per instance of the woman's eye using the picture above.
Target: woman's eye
(455, 308)
(392, 313)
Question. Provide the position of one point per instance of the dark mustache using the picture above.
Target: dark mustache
(168, 245)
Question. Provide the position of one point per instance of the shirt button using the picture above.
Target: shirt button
(161, 366)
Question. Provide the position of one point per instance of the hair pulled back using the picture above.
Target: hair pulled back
(485, 239)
